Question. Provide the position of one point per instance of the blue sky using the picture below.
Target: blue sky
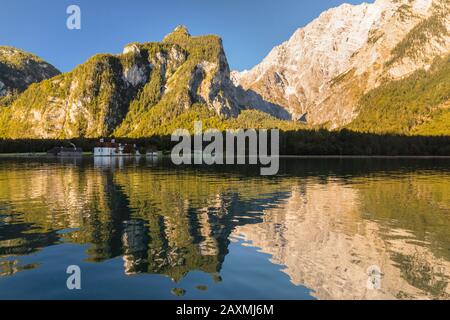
(249, 28)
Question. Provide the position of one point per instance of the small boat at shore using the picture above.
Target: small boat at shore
(65, 152)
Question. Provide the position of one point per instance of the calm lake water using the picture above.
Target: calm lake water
(321, 229)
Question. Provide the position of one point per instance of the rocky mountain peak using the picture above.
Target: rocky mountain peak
(323, 69)
(180, 31)
(132, 48)
(19, 69)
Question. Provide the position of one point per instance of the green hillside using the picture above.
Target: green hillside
(417, 104)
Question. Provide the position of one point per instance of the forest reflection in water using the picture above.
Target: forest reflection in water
(324, 222)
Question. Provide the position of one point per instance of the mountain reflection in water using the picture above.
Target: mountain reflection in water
(323, 222)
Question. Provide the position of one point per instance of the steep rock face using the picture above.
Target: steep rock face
(19, 69)
(88, 101)
(199, 78)
(131, 94)
(323, 70)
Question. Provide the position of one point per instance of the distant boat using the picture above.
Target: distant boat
(66, 152)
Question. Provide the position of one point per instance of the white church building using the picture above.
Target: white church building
(113, 149)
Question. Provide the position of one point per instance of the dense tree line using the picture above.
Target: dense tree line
(298, 142)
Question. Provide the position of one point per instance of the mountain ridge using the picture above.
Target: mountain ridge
(108, 91)
(325, 76)
(323, 70)
(149, 89)
(19, 69)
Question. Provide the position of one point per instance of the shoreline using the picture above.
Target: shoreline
(362, 157)
(90, 154)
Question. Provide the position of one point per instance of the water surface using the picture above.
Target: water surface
(145, 230)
